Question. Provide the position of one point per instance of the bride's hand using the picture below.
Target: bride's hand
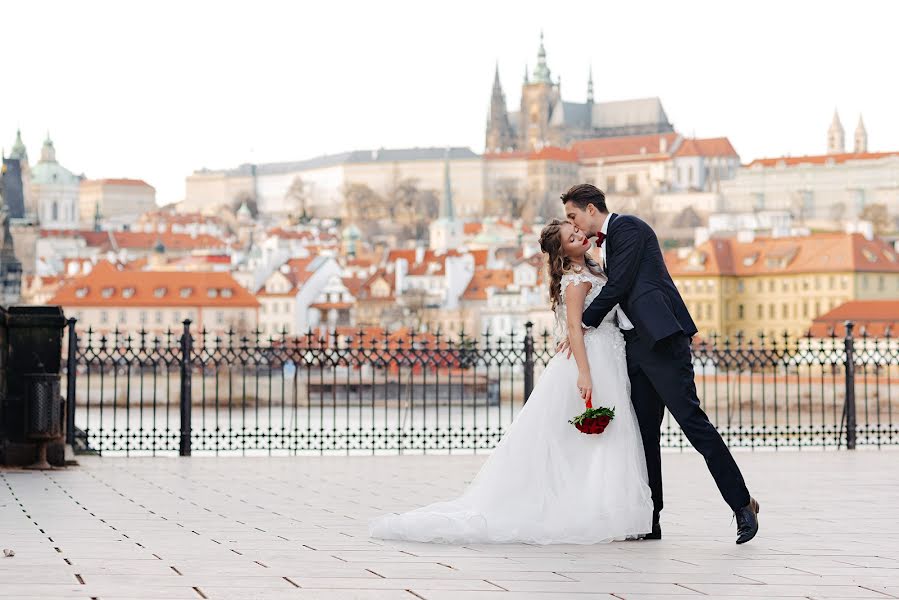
(585, 386)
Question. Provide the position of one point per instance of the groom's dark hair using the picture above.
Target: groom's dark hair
(583, 194)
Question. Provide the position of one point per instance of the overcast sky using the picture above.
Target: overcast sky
(155, 90)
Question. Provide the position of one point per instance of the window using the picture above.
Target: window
(81, 292)
(740, 314)
(185, 292)
(770, 311)
(831, 282)
(227, 293)
(104, 317)
(107, 292)
(881, 283)
(632, 183)
(123, 317)
(159, 292)
(127, 292)
(805, 309)
(212, 293)
(785, 311)
(610, 184)
(220, 317)
(143, 316)
(864, 282)
(176, 316)
(770, 285)
(159, 317)
(760, 311)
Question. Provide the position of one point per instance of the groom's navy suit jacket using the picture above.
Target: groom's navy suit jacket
(640, 283)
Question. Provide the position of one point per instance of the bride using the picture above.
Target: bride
(546, 482)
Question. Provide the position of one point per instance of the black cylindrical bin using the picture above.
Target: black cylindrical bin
(43, 406)
(35, 358)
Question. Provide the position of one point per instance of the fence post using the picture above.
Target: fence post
(186, 363)
(849, 408)
(528, 360)
(71, 374)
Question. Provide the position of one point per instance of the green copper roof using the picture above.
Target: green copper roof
(541, 72)
(18, 148)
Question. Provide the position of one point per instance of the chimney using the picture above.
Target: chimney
(663, 145)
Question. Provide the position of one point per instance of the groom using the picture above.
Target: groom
(659, 361)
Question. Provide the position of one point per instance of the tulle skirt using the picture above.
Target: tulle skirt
(547, 483)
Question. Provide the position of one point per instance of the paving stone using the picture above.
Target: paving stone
(142, 528)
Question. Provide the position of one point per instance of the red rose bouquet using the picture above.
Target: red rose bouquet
(593, 420)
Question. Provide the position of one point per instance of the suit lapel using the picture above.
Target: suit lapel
(605, 250)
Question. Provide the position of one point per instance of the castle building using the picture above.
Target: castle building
(821, 191)
(545, 119)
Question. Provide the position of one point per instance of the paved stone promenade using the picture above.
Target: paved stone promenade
(296, 528)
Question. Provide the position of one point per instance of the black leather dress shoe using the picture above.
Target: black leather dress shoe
(655, 534)
(747, 521)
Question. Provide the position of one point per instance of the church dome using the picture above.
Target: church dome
(48, 171)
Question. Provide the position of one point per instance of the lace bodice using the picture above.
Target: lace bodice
(616, 315)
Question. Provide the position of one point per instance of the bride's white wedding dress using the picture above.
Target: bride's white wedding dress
(546, 482)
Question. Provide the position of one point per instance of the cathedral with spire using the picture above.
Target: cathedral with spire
(836, 138)
(545, 119)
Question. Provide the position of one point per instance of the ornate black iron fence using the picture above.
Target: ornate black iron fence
(382, 392)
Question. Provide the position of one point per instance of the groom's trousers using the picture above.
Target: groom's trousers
(662, 376)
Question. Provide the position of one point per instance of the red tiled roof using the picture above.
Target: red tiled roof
(554, 153)
(818, 253)
(517, 154)
(820, 159)
(106, 285)
(139, 239)
(130, 182)
(871, 316)
(484, 279)
(353, 285)
(632, 145)
(719, 146)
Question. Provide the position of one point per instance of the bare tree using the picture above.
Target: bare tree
(362, 206)
(878, 215)
(508, 200)
(297, 197)
(427, 207)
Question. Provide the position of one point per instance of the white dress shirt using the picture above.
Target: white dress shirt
(605, 232)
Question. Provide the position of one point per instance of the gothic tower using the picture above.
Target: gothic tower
(835, 136)
(861, 137)
(538, 96)
(500, 137)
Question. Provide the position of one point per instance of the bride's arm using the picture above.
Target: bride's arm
(574, 310)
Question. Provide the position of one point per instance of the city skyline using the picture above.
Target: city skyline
(178, 95)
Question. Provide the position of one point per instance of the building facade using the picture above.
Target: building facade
(775, 285)
(110, 297)
(820, 191)
(122, 200)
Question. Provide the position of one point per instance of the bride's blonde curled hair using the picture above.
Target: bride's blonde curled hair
(557, 263)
